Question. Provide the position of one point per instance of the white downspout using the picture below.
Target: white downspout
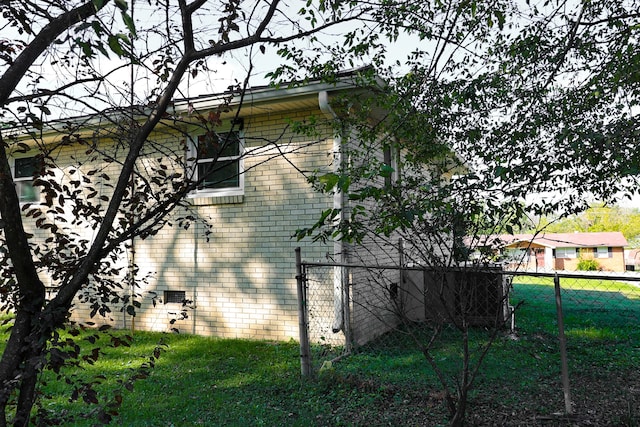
(339, 272)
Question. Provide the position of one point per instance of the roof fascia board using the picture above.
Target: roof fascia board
(263, 95)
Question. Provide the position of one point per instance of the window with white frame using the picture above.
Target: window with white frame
(566, 253)
(219, 167)
(24, 169)
(602, 252)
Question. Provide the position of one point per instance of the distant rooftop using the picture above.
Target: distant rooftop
(557, 240)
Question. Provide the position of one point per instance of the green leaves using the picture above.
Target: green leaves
(386, 170)
(131, 26)
(499, 16)
(116, 44)
(323, 228)
(333, 181)
(122, 5)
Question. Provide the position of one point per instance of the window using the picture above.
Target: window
(602, 252)
(566, 253)
(23, 172)
(218, 162)
(390, 166)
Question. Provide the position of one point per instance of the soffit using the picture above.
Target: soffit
(254, 108)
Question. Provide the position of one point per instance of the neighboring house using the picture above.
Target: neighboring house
(240, 283)
(559, 251)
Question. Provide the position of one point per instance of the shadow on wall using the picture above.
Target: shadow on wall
(241, 283)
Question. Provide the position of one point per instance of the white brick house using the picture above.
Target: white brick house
(241, 282)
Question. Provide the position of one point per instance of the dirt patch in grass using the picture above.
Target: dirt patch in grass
(599, 399)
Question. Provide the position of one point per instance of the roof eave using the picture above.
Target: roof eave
(251, 97)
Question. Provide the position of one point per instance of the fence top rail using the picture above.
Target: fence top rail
(633, 277)
(630, 277)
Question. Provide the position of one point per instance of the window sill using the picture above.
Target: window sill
(209, 200)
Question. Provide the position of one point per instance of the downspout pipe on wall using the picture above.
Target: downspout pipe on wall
(340, 281)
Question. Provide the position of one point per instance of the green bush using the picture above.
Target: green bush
(588, 265)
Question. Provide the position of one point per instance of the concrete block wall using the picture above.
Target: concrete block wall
(374, 298)
(373, 305)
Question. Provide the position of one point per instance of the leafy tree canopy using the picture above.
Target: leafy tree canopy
(116, 67)
(538, 99)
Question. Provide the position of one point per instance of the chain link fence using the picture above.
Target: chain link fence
(380, 300)
(351, 309)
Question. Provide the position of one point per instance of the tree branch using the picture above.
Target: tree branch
(605, 20)
(40, 43)
(43, 93)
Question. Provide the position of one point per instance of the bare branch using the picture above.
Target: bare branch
(40, 43)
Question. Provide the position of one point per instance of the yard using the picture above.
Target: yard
(208, 381)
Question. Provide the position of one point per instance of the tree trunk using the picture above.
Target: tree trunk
(21, 359)
(27, 392)
(459, 416)
(20, 365)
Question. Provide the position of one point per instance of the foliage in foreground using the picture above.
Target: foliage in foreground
(60, 60)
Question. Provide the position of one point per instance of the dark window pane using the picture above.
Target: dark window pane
(25, 168)
(222, 174)
(220, 144)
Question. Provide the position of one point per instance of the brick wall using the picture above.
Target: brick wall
(240, 283)
(373, 291)
(613, 263)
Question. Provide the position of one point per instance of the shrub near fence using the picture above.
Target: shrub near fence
(600, 317)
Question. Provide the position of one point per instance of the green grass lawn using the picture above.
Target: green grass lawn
(223, 382)
(198, 381)
(591, 307)
(630, 289)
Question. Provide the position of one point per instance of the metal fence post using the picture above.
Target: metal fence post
(563, 346)
(401, 275)
(305, 350)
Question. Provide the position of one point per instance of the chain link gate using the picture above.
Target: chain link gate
(323, 312)
(346, 306)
